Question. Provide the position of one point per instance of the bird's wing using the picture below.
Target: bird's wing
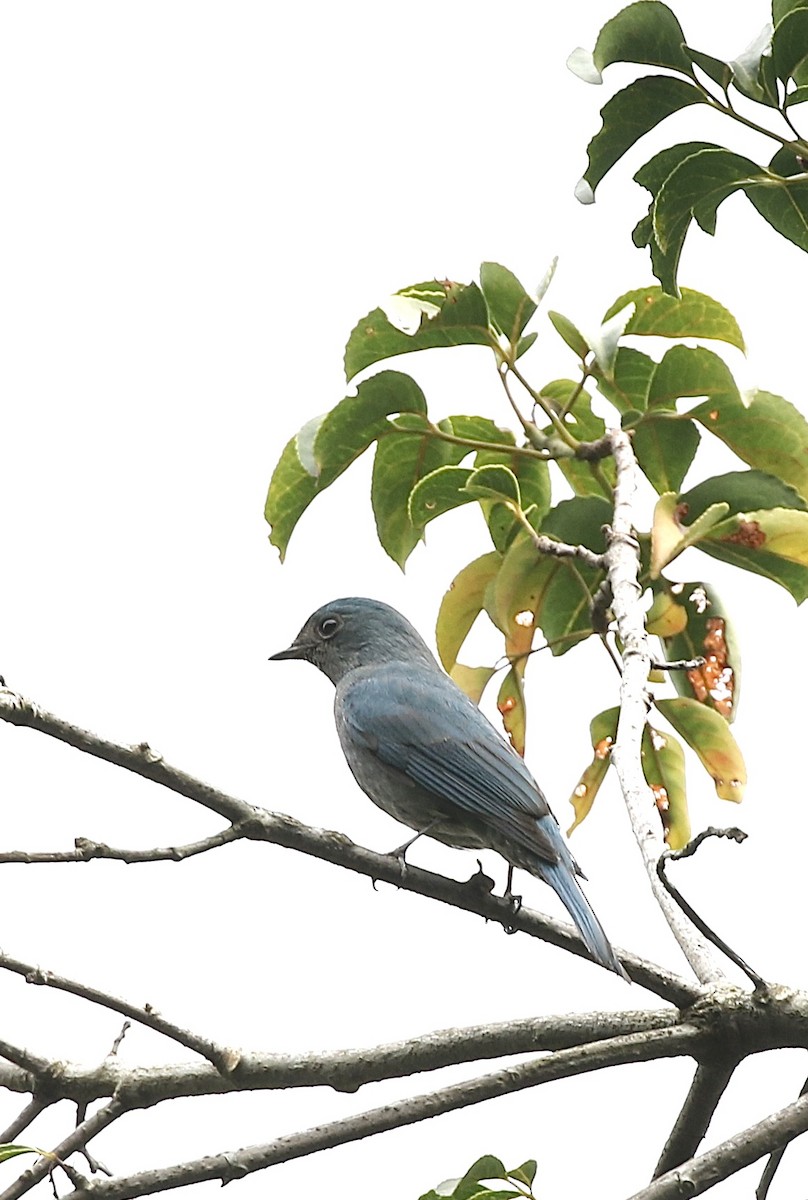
(418, 721)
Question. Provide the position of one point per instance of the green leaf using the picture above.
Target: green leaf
(663, 765)
(495, 482)
(784, 204)
(509, 305)
(740, 491)
(691, 315)
(533, 478)
(572, 336)
(401, 460)
(580, 521)
(646, 32)
(798, 96)
(437, 493)
(714, 68)
(479, 429)
(462, 604)
(633, 372)
(9, 1150)
(327, 445)
(524, 344)
(525, 1173)
(460, 319)
(689, 371)
(696, 187)
(767, 432)
(665, 446)
(748, 70)
(790, 42)
(630, 114)
(709, 735)
(602, 732)
(665, 263)
(604, 341)
(705, 632)
(586, 427)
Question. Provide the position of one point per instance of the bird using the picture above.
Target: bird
(425, 753)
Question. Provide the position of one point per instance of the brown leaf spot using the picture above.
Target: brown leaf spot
(714, 682)
(661, 797)
(680, 512)
(603, 748)
(507, 705)
(713, 414)
(747, 534)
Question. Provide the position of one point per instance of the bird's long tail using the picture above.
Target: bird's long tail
(562, 880)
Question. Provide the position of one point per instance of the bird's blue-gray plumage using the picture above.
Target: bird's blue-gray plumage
(423, 751)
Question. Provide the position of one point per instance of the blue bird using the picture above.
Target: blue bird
(425, 754)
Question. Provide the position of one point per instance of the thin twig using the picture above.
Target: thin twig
(624, 562)
(28, 1115)
(77, 1140)
(645, 1047)
(86, 850)
(730, 1156)
(709, 1084)
(736, 835)
(223, 1058)
(678, 664)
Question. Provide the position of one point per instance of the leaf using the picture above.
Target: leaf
(665, 263)
(469, 1186)
(665, 446)
(746, 68)
(494, 482)
(632, 113)
(462, 604)
(706, 632)
(533, 478)
(525, 1173)
(511, 705)
(401, 460)
(740, 490)
(709, 735)
(9, 1150)
(509, 306)
(646, 32)
(437, 493)
(790, 42)
(669, 537)
(472, 680)
(602, 732)
(572, 336)
(479, 429)
(460, 319)
(633, 372)
(780, 531)
(663, 765)
(586, 427)
(714, 68)
(604, 341)
(689, 371)
(691, 315)
(326, 446)
(767, 432)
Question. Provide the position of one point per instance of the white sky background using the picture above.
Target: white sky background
(199, 202)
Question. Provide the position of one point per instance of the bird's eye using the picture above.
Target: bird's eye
(328, 627)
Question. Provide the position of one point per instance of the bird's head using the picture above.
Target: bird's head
(356, 632)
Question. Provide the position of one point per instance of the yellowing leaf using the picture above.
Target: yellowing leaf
(602, 731)
(461, 606)
(708, 733)
(511, 704)
(472, 680)
(663, 764)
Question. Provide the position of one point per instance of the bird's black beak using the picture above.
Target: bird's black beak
(296, 650)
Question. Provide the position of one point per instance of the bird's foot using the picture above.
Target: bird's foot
(514, 901)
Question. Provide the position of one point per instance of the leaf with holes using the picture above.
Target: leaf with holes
(704, 631)
(663, 765)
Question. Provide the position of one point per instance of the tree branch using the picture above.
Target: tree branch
(345, 1070)
(643, 1047)
(77, 1140)
(85, 850)
(260, 825)
(729, 1156)
(709, 1084)
(25, 1118)
(223, 1058)
(623, 568)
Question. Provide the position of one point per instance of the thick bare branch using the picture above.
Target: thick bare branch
(623, 560)
(345, 1070)
(709, 1084)
(642, 1047)
(730, 1156)
(282, 830)
(223, 1058)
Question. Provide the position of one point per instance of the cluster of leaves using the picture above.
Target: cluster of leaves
(477, 1182)
(690, 180)
(756, 519)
